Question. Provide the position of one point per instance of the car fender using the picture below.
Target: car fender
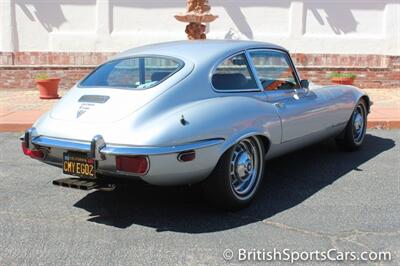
(231, 118)
(345, 98)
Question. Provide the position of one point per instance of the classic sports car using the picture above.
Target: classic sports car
(208, 112)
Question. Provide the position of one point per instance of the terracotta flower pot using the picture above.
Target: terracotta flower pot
(48, 88)
(343, 80)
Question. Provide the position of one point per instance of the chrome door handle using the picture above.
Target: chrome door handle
(279, 105)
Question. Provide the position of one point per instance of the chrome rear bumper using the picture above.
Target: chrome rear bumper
(112, 149)
(165, 168)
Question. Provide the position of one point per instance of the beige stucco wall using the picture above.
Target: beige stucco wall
(308, 26)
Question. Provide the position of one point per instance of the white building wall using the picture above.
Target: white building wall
(303, 26)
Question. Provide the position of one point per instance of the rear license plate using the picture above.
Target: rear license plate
(78, 164)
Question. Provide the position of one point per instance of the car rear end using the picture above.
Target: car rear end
(165, 165)
(91, 132)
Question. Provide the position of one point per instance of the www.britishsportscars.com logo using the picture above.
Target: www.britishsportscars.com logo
(83, 108)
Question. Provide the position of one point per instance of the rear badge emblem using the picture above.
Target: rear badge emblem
(83, 108)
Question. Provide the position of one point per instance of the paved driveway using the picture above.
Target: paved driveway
(315, 199)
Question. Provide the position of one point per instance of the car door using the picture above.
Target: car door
(302, 111)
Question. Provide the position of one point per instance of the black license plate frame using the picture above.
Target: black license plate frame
(79, 164)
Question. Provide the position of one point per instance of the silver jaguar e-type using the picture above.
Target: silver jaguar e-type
(187, 112)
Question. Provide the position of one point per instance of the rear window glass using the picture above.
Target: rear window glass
(234, 74)
(133, 73)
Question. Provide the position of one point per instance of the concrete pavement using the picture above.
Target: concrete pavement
(385, 112)
(319, 198)
(19, 109)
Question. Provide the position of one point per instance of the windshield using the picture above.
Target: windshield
(133, 73)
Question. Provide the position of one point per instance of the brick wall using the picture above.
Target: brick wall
(19, 69)
(22, 77)
(373, 71)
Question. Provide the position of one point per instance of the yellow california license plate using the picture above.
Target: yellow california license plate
(78, 164)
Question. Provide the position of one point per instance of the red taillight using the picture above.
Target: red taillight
(35, 154)
(132, 164)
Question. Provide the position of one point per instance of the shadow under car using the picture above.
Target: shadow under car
(288, 181)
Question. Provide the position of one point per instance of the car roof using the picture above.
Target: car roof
(197, 50)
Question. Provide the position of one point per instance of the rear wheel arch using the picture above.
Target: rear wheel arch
(264, 139)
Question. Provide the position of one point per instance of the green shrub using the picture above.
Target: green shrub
(42, 76)
(342, 75)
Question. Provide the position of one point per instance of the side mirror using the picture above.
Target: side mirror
(304, 83)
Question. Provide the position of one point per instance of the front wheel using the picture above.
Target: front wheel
(237, 176)
(354, 133)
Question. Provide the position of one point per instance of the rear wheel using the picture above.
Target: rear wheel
(354, 133)
(237, 176)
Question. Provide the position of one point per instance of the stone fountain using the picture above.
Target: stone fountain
(197, 13)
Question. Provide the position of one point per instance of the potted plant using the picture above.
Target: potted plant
(342, 78)
(48, 87)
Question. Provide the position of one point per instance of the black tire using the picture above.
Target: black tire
(219, 189)
(353, 135)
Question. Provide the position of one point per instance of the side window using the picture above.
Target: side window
(274, 70)
(234, 74)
